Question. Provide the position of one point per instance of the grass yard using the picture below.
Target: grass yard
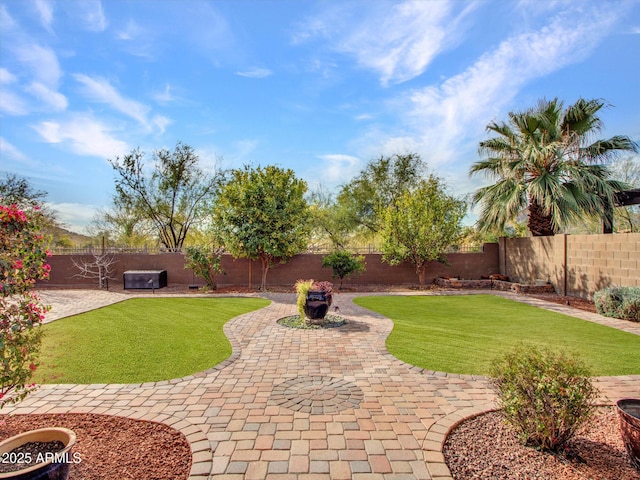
(465, 333)
(140, 340)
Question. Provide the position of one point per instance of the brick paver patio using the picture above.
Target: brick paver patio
(301, 404)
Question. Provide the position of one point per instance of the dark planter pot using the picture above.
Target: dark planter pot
(317, 304)
(55, 467)
(629, 413)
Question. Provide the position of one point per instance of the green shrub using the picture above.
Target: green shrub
(205, 263)
(631, 310)
(344, 264)
(544, 396)
(618, 302)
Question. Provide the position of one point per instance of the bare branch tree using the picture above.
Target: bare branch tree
(100, 267)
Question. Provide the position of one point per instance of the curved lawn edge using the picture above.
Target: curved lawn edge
(409, 357)
(208, 340)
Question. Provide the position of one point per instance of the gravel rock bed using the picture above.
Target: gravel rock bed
(485, 448)
(112, 447)
(295, 321)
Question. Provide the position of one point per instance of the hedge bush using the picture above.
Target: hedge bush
(544, 396)
(619, 302)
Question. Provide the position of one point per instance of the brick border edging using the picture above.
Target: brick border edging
(437, 434)
(201, 453)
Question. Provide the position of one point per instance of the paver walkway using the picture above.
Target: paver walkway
(301, 404)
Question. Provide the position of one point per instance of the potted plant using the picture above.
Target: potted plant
(43, 454)
(629, 413)
(314, 298)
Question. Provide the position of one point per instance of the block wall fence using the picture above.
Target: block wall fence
(576, 265)
(242, 272)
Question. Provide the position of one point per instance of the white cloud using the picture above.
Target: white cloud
(6, 21)
(54, 100)
(165, 96)
(255, 73)
(138, 41)
(75, 215)
(100, 90)
(91, 15)
(162, 122)
(336, 169)
(12, 104)
(42, 61)
(84, 136)
(396, 40)
(130, 32)
(45, 11)
(446, 117)
(6, 76)
(10, 151)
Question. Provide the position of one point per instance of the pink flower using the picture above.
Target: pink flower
(32, 367)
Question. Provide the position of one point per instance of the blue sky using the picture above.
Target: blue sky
(322, 87)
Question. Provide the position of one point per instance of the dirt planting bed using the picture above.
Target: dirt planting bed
(484, 447)
(110, 447)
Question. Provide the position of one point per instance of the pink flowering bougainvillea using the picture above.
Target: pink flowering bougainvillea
(22, 262)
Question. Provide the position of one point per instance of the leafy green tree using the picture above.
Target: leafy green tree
(344, 264)
(172, 197)
(544, 160)
(420, 226)
(377, 186)
(122, 224)
(330, 221)
(261, 213)
(206, 263)
(16, 190)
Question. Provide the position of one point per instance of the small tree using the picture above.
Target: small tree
(98, 267)
(205, 263)
(344, 264)
(22, 262)
(420, 226)
(172, 197)
(261, 213)
(378, 186)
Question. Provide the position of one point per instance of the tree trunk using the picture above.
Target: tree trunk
(265, 269)
(422, 273)
(540, 224)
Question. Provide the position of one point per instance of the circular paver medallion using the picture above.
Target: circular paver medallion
(317, 394)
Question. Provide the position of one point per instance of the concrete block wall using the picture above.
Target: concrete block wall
(577, 265)
(600, 261)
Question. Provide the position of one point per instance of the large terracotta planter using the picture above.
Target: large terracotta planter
(629, 413)
(317, 304)
(55, 467)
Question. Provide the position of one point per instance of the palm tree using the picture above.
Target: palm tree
(545, 159)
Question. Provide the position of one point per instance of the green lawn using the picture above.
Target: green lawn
(464, 334)
(140, 340)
